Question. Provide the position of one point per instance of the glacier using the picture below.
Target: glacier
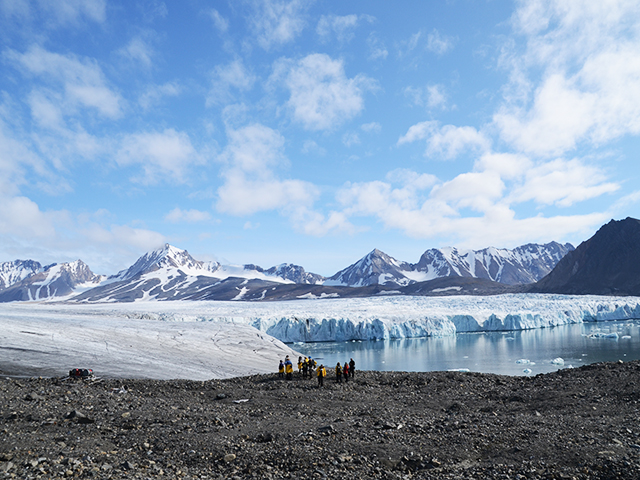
(216, 339)
(382, 318)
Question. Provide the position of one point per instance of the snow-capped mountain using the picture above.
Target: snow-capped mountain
(57, 280)
(289, 271)
(170, 273)
(167, 257)
(524, 264)
(16, 271)
(374, 268)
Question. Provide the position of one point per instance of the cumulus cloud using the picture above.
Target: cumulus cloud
(22, 217)
(423, 206)
(589, 56)
(563, 183)
(322, 96)
(447, 141)
(250, 182)
(276, 22)
(165, 155)
(68, 81)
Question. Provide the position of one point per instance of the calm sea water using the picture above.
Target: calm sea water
(508, 353)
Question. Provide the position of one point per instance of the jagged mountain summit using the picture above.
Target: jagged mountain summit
(16, 271)
(57, 280)
(289, 271)
(374, 268)
(167, 257)
(522, 265)
(606, 264)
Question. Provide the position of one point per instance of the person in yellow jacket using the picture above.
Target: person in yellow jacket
(338, 373)
(281, 369)
(322, 372)
(288, 368)
(299, 364)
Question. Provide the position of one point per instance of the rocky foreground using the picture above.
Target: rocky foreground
(575, 423)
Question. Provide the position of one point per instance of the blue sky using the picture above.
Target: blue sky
(270, 131)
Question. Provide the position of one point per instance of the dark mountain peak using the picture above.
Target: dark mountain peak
(606, 264)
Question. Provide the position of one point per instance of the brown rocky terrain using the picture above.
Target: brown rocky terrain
(572, 424)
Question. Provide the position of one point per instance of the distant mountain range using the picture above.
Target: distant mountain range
(170, 273)
(606, 264)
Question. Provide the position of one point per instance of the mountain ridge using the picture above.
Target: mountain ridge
(170, 273)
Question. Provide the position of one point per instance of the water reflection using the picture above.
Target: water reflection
(508, 353)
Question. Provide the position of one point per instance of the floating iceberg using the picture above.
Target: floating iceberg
(557, 361)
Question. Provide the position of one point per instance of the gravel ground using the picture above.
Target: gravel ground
(576, 423)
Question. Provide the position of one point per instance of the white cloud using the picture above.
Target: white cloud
(424, 207)
(431, 96)
(447, 141)
(250, 183)
(588, 54)
(438, 43)
(563, 183)
(311, 146)
(377, 48)
(123, 236)
(341, 26)
(226, 77)
(155, 93)
(221, 23)
(22, 217)
(372, 127)
(350, 138)
(509, 166)
(276, 22)
(73, 82)
(138, 51)
(163, 155)
(177, 215)
(322, 97)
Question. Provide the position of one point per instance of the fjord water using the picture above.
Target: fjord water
(524, 352)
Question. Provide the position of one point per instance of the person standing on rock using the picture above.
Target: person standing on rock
(338, 373)
(345, 372)
(322, 372)
(352, 368)
(299, 364)
(281, 369)
(288, 367)
(305, 367)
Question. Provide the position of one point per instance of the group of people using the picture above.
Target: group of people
(307, 366)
